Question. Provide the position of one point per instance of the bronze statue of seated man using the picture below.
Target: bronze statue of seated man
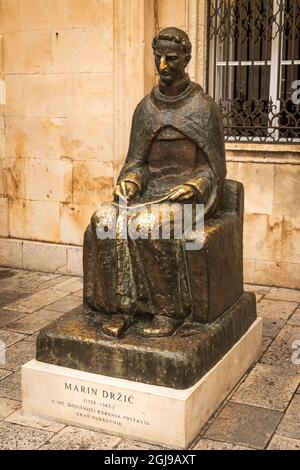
(155, 310)
(176, 154)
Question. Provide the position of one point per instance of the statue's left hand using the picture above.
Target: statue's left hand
(182, 193)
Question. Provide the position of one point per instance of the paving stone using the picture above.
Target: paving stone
(7, 317)
(71, 438)
(271, 327)
(256, 288)
(280, 351)
(78, 293)
(5, 273)
(290, 423)
(276, 309)
(33, 422)
(7, 407)
(295, 318)
(258, 296)
(44, 281)
(32, 338)
(4, 373)
(71, 285)
(10, 337)
(283, 443)
(37, 301)
(14, 437)
(10, 386)
(268, 387)
(208, 444)
(8, 297)
(245, 425)
(265, 343)
(135, 445)
(18, 354)
(66, 304)
(21, 278)
(33, 322)
(283, 294)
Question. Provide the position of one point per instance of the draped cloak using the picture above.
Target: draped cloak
(152, 276)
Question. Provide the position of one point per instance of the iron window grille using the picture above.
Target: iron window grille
(254, 61)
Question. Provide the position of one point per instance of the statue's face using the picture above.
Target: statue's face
(170, 61)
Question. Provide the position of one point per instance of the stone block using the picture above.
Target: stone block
(232, 170)
(37, 137)
(277, 274)
(4, 217)
(11, 253)
(249, 270)
(47, 95)
(48, 180)
(90, 138)
(35, 220)
(74, 261)
(92, 95)
(83, 50)
(172, 12)
(27, 52)
(291, 239)
(16, 177)
(266, 244)
(11, 10)
(74, 219)
(38, 14)
(90, 13)
(258, 181)
(45, 257)
(92, 182)
(286, 190)
(14, 95)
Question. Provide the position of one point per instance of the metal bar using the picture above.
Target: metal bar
(227, 42)
(215, 49)
(239, 50)
(256, 62)
(208, 60)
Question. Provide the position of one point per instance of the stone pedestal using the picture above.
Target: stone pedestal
(145, 412)
(76, 341)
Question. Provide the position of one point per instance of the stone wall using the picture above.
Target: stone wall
(271, 177)
(73, 71)
(58, 72)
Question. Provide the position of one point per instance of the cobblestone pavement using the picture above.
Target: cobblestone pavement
(263, 412)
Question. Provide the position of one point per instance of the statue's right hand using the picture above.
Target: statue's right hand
(125, 189)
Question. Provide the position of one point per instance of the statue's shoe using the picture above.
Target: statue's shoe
(117, 325)
(161, 326)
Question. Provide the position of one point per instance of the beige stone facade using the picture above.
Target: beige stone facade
(72, 72)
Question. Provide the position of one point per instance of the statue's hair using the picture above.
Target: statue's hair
(176, 35)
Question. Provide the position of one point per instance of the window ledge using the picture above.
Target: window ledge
(263, 153)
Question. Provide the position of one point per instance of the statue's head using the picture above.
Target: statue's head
(172, 51)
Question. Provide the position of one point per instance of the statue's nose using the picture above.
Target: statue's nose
(163, 64)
